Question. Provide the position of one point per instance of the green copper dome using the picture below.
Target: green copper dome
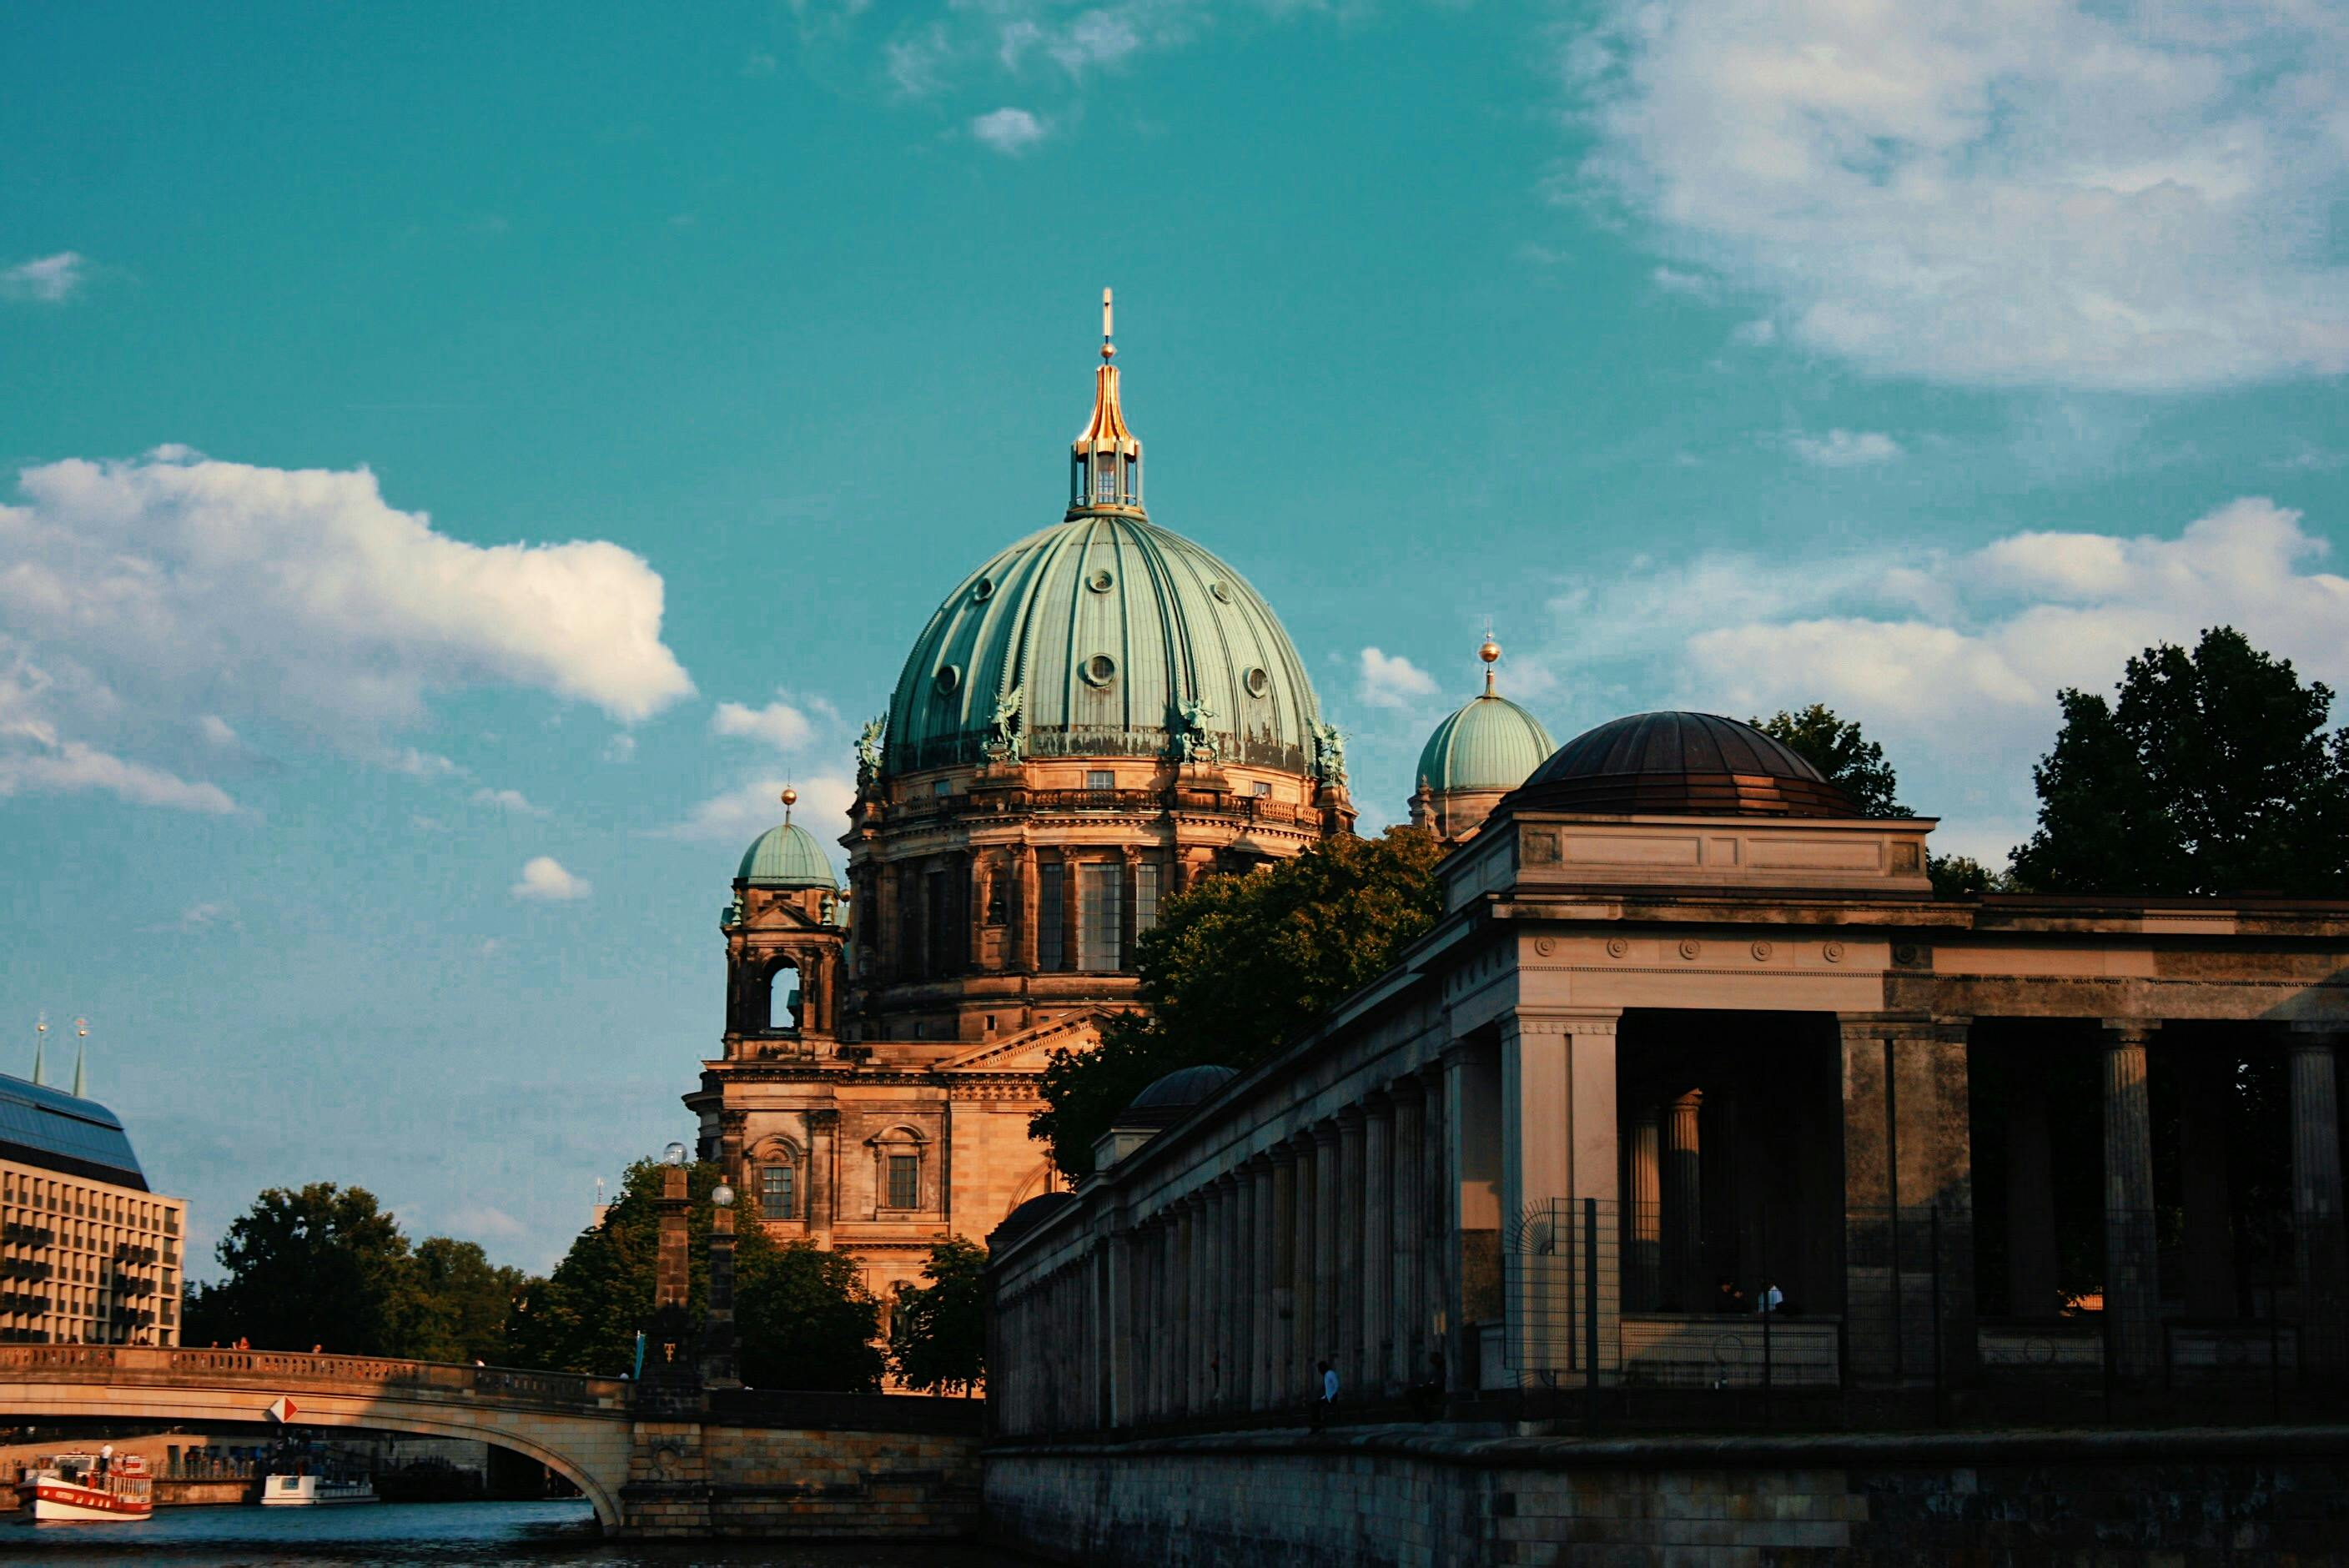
(1104, 636)
(1491, 744)
(786, 856)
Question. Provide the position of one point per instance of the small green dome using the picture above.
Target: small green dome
(1490, 744)
(786, 856)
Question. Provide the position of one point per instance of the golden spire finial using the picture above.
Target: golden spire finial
(1490, 653)
(1107, 470)
(1109, 349)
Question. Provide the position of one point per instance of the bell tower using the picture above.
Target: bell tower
(786, 935)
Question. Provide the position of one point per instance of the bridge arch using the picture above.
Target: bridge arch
(577, 1427)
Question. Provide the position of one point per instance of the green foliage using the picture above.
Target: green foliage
(2209, 772)
(1960, 876)
(1842, 755)
(806, 1321)
(458, 1303)
(1240, 965)
(323, 1265)
(937, 1332)
(802, 1319)
(328, 1265)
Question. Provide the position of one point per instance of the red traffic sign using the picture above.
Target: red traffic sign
(281, 1410)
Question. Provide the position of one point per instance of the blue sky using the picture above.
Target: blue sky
(461, 460)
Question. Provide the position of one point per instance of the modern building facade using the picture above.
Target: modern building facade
(1093, 717)
(1694, 1037)
(89, 1256)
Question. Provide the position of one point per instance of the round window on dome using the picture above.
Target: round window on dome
(1100, 670)
(1222, 594)
(1102, 580)
(1258, 681)
(948, 679)
(983, 590)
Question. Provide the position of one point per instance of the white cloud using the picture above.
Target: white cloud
(1011, 131)
(1391, 680)
(544, 880)
(737, 816)
(620, 747)
(135, 593)
(511, 800)
(1759, 332)
(48, 280)
(34, 757)
(1844, 448)
(779, 724)
(2041, 192)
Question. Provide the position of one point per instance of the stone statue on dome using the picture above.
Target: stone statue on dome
(868, 751)
(1007, 739)
(1329, 754)
(1192, 742)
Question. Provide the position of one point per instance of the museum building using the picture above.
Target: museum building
(1094, 717)
(1694, 1038)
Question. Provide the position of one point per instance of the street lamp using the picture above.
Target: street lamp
(673, 1155)
(717, 1361)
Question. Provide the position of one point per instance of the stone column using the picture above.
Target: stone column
(1408, 1362)
(1236, 1288)
(2031, 1272)
(1118, 1325)
(1028, 889)
(1304, 1341)
(2132, 1277)
(2207, 1080)
(1908, 1174)
(1129, 888)
(824, 1174)
(1329, 1280)
(1683, 1230)
(1188, 1307)
(975, 914)
(1375, 1255)
(1644, 1274)
(2316, 1199)
(1279, 1305)
(1347, 1286)
(1439, 1238)
(1558, 1145)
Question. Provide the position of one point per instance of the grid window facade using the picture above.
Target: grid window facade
(1145, 896)
(775, 1193)
(905, 1180)
(1051, 916)
(1100, 913)
(109, 1276)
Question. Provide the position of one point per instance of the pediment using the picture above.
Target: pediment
(1031, 1050)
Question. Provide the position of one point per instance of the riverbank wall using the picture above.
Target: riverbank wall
(1406, 1497)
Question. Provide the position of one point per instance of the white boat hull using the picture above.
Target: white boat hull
(310, 1491)
(63, 1503)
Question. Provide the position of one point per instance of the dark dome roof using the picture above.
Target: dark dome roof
(1680, 764)
(1167, 1100)
(1027, 1217)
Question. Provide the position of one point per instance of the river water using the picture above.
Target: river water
(430, 1535)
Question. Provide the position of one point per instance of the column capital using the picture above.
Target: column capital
(1378, 1103)
(1883, 1025)
(1348, 1116)
(1325, 1132)
(1279, 1154)
(1560, 1021)
(2316, 1034)
(2122, 1032)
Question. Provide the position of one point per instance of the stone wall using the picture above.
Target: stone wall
(1381, 1496)
(687, 1480)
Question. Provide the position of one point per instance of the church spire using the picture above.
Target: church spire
(1105, 467)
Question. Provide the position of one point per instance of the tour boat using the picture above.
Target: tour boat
(72, 1490)
(311, 1491)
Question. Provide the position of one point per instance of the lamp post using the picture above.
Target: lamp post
(718, 1369)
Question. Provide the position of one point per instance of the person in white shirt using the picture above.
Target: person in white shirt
(1323, 1406)
(1770, 1299)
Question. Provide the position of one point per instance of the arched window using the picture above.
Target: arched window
(783, 998)
(900, 1172)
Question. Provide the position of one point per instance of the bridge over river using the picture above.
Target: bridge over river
(739, 1464)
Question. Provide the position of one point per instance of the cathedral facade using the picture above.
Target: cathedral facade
(1094, 717)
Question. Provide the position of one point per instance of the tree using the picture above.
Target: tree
(328, 1265)
(802, 1318)
(456, 1302)
(323, 1265)
(2209, 772)
(805, 1320)
(1240, 965)
(937, 1332)
(1843, 756)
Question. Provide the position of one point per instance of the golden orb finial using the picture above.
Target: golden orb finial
(1490, 653)
(791, 797)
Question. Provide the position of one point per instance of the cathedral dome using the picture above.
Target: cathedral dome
(1169, 1099)
(1680, 764)
(1104, 629)
(1489, 744)
(786, 856)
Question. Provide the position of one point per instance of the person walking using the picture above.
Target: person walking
(1328, 1398)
